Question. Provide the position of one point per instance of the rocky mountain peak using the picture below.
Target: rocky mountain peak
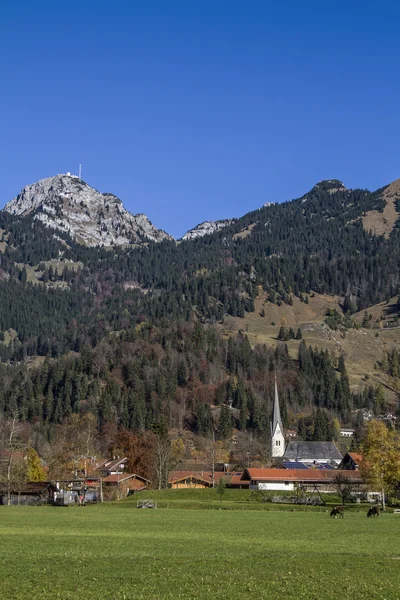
(67, 203)
(330, 185)
(206, 228)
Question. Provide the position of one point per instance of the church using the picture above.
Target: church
(277, 435)
(307, 453)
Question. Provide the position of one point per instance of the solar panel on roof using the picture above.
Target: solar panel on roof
(294, 465)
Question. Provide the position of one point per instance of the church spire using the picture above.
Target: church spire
(276, 412)
(277, 437)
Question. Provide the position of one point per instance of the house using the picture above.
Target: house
(320, 480)
(291, 433)
(237, 482)
(189, 480)
(346, 433)
(367, 414)
(351, 461)
(196, 479)
(130, 482)
(312, 452)
(111, 466)
(32, 493)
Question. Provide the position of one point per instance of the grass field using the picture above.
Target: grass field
(114, 552)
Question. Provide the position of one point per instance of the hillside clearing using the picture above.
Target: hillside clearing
(383, 223)
(362, 348)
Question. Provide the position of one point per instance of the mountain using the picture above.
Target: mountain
(206, 228)
(155, 335)
(66, 203)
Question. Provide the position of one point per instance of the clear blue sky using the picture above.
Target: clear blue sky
(195, 109)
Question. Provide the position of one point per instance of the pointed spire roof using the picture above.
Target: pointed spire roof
(276, 412)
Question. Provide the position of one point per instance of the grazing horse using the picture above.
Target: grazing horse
(337, 511)
(373, 511)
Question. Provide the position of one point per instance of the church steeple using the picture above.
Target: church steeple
(277, 437)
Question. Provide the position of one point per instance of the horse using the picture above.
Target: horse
(337, 511)
(373, 512)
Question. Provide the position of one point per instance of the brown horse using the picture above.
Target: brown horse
(373, 512)
(337, 511)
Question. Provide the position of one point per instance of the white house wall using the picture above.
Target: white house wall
(276, 486)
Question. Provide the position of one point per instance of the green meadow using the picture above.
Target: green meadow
(116, 551)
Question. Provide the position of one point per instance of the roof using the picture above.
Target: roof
(236, 479)
(309, 475)
(110, 465)
(192, 465)
(312, 451)
(294, 465)
(357, 458)
(205, 476)
(119, 478)
(33, 488)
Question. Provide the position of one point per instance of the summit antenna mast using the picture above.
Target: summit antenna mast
(80, 171)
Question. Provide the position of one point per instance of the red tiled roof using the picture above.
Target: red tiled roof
(356, 457)
(236, 479)
(296, 475)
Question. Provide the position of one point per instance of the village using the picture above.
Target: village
(299, 472)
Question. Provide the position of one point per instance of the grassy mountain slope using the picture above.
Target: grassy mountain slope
(362, 348)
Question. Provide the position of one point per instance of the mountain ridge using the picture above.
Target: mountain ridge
(69, 204)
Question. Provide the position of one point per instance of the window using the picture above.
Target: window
(278, 443)
(286, 483)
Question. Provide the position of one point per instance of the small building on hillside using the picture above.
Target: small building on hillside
(290, 433)
(312, 452)
(351, 461)
(346, 433)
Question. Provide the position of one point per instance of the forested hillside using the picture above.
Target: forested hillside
(128, 333)
(186, 376)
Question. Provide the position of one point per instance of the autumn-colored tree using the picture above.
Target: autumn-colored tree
(74, 441)
(380, 466)
(34, 467)
(138, 449)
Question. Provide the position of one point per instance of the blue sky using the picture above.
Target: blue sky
(194, 110)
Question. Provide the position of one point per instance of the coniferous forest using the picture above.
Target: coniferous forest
(131, 334)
